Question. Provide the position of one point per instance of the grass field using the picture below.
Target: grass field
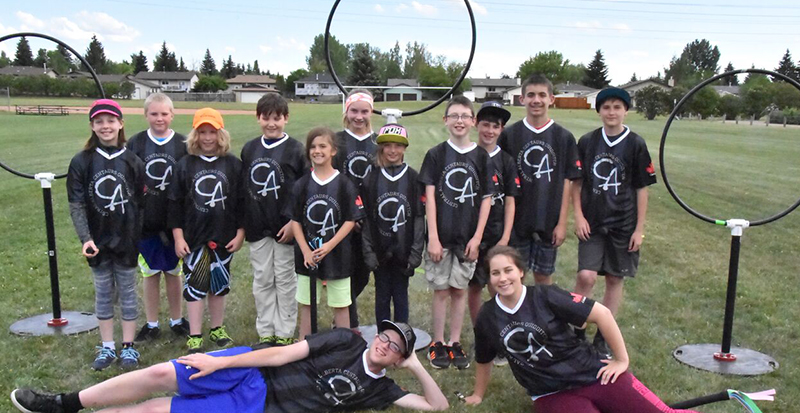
(724, 170)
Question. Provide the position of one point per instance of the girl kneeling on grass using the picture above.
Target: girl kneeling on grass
(105, 187)
(532, 328)
(204, 214)
(324, 211)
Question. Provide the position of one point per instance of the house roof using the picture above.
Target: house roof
(487, 82)
(323, 77)
(574, 87)
(25, 71)
(242, 79)
(733, 90)
(166, 75)
(402, 82)
(639, 82)
(256, 90)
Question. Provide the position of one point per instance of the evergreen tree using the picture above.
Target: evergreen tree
(24, 56)
(316, 59)
(182, 67)
(229, 69)
(4, 60)
(597, 72)
(41, 58)
(96, 55)
(363, 71)
(394, 63)
(165, 61)
(208, 67)
(729, 80)
(248, 70)
(786, 67)
(66, 56)
(139, 62)
(256, 69)
(633, 78)
(417, 58)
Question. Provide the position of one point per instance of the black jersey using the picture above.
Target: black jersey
(160, 158)
(462, 178)
(536, 337)
(614, 168)
(545, 157)
(506, 183)
(110, 183)
(270, 169)
(334, 377)
(205, 199)
(355, 155)
(321, 208)
(392, 200)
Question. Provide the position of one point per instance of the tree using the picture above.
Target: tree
(24, 56)
(786, 67)
(182, 67)
(165, 61)
(122, 68)
(363, 71)
(597, 72)
(66, 55)
(633, 78)
(210, 83)
(96, 55)
(229, 69)
(293, 77)
(208, 67)
(139, 62)
(651, 101)
(4, 60)
(704, 102)
(394, 63)
(549, 64)
(730, 106)
(697, 61)
(755, 95)
(280, 82)
(41, 58)
(57, 62)
(340, 56)
(784, 95)
(729, 80)
(417, 58)
(256, 69)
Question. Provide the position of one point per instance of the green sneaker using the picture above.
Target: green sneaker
(284, 341)
(220, 336)
(268, 339)
(195, 344)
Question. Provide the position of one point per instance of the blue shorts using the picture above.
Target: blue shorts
(240, 390)
(158, 256)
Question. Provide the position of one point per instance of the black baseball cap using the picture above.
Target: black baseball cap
(494, 108)
(406, 334)
(613, 92)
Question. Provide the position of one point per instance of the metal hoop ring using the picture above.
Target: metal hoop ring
(413, 112)
(82, 60)
(675, 112)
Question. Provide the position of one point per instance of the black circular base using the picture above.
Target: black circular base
(369, 332)
(748, 362)
(77, 322)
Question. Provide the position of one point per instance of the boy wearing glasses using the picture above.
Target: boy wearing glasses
(458, 189)
(330, 371)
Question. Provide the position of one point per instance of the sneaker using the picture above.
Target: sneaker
(457, 356)
(147, 333)
(284, 341)
(220, 336)
(437, 354)
(29, 401)
(129, 358)
(195, 344)
(267, 339)
(500, 361)
(105, 357)
(181, 329)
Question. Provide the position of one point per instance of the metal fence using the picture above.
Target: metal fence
(201, 97)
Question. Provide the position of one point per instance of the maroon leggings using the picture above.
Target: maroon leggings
(626, 395)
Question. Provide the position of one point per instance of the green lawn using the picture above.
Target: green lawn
(724, 170)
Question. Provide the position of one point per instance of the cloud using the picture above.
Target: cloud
(230, 49)
(594, 25)
(289, 44)
(424, 9)
(378, 8)
(477, 8)
(29, 21)
(265, 48)
(106, 26)
(401, 7)
(621, 27)
(64, 27)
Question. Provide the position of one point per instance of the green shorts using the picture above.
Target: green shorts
(338, 291)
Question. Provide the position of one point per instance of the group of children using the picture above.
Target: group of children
(344, 205)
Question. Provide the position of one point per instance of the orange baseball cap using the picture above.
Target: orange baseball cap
(209, 116)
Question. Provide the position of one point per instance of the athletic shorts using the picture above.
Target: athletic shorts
(156, 255)
(206, 271)
(451, 271)
(539, 255)
(606, 251)
(240, 390)
(338, 291)
(481, 275)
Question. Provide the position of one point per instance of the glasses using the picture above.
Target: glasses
(392, 345)
(456, 117)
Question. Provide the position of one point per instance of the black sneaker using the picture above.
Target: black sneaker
(457, 356)
(147, 333)
(29, 401)
(181, 329)
(437, 354)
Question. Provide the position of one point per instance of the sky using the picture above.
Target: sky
(635, 36)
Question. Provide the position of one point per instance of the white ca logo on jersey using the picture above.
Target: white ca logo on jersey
(216, 196)
(543, 167)
(327, 223)
(531, 351)
(117, 198)
(466, 191)
(400, 216)
(270, 184)
(338, 394)
(164, 178)
(610, 180)
(358, 159)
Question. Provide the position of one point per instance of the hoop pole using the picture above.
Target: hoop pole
(730, 300)
(51, 254)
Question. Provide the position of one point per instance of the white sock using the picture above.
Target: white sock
(152, 324)
(173, 323)
(110, 344)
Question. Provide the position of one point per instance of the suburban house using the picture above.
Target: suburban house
(635, 86)
(171, 81)
(28, 71)
(251, 81)
(141, 88)
(252, 94)
(401, 90)
(316, 86)
(492, 89)
(573, 96)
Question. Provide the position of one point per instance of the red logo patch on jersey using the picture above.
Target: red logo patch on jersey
(494, 178)
(423, 198)
(516, 181)
(578, 164)
(651, 169)
(577, 298)
(358, 202)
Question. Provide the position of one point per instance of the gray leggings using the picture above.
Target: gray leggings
(112, 281)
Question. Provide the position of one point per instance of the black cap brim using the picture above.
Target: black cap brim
(404, 330)
(494, 110)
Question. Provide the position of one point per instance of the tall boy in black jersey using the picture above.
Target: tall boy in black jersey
(160, 148)
(271, 165)
(610, 200)
(547, 160)
(458, 189)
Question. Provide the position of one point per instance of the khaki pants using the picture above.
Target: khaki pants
(274, 287)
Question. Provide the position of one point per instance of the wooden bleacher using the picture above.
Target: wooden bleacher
(58, 110)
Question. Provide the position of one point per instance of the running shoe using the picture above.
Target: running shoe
(29, 401)
(129, 358)
(437, 354)
(220, 336)
(267, 339)
(284, 341)
(105, 357)
(147, 333)
(181, 329)
(457, 356)
(195, 344)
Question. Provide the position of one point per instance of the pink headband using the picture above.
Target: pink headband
(357, 97)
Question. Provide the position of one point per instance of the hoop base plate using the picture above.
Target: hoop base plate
(746, 362)
(369, 332)
(77, 322)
